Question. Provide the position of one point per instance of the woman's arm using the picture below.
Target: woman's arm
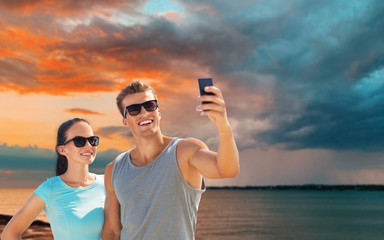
(23, 218)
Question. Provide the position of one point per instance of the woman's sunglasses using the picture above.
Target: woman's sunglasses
(135, 109)
(81, 141)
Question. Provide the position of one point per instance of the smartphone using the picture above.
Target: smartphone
(203, 82)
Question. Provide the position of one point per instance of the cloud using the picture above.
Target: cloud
(368, 176)
(96, 55)
(7, 172)
(29, 166)
(109, 131)
(65, 8)
(13, 158)
(343, 118)
(82, 111)
(306, 68)
(31, 157)
(276, 166)
(22, 73)
(327, 71)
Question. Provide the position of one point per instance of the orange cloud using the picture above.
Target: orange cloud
(173, 16)
(20, 42)
(97, 57)
(208, 8)
(7, 171)
(82, 111)
(118, 35)
(64, 8)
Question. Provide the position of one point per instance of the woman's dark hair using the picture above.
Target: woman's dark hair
(62, 162)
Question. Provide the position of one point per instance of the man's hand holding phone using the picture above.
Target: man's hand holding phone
(213, 105)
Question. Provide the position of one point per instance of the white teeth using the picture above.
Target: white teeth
(145, 122)
(86, 154)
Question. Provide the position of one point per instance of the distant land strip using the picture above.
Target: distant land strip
(312, 187)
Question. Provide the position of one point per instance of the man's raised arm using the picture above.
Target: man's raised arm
(224, 163)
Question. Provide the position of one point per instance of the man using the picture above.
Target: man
(153, 190)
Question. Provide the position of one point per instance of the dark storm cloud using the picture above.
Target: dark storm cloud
(157, 44)
(331, 125)
(333, 99)
(327, 59)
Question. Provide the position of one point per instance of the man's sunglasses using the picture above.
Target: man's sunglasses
(135, 109)
(81, 141)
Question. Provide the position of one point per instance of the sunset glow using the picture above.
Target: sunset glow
(303, 87)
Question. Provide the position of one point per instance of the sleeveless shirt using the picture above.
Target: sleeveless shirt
(155, 200)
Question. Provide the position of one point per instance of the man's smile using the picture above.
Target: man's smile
(145, 122)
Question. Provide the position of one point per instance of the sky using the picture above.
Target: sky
(302, 81)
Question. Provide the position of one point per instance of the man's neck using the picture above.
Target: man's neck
(148, 149)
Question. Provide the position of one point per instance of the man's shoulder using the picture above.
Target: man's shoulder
(190, 144)
(116, 160)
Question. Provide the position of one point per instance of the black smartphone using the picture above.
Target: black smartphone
(203, 82)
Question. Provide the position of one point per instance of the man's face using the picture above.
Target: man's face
(146, 122)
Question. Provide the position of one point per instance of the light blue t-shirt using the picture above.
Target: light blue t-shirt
(74, 213)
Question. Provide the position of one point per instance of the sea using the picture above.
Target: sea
(245, 214)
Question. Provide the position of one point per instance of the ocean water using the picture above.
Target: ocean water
(272, 215)
(286, 215)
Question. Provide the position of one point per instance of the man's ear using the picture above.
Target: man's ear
(125, 122)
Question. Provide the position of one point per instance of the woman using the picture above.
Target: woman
(73, 200)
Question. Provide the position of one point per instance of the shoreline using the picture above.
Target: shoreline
(306, 187)
(310, 186)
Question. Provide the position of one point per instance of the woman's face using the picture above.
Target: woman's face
(79, 155)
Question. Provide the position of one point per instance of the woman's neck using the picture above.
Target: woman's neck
(78, 176)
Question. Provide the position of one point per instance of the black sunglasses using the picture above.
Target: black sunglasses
(81, 141)
(135, 109)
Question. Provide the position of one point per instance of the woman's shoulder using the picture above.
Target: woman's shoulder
(51, 181)
(46, 189)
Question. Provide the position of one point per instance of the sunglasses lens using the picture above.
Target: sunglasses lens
(150, 106)
(134, 109)
(79, 141)
(94, 141)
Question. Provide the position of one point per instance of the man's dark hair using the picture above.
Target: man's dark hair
(134, 87)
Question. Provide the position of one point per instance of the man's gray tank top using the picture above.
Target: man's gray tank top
(155, 200)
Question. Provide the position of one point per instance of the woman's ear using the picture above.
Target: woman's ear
(61, 150)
